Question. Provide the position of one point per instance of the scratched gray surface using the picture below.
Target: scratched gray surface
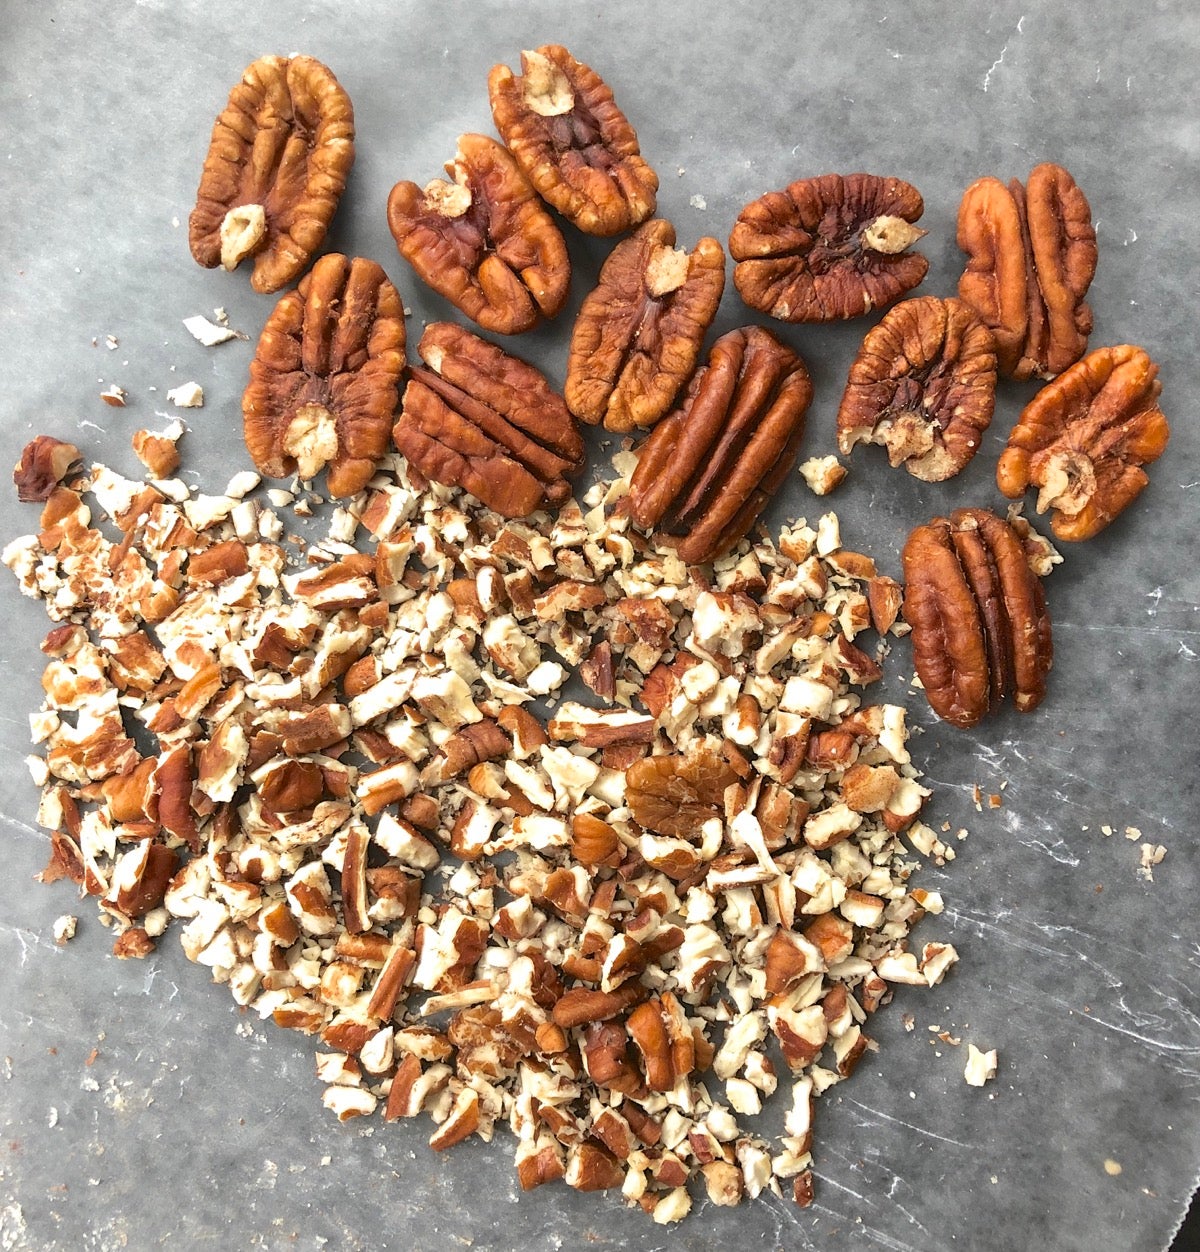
(197, 1127)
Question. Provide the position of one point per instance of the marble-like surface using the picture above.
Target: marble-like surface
(195, 1126)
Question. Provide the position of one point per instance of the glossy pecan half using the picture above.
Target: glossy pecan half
(485, 421)
(276, 168)
(639, 333)
(1083, 439)
(559, 119)
(1031, 256)
(828, 248)
(923, 386)
(484, 240)
(709, 469)
(323, 382)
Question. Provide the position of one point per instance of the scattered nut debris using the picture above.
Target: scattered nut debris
(822, 473)
(1152, 855)
(981, 1066)
(64, 929)
(186, 396)
(114, 396)
(208, 333)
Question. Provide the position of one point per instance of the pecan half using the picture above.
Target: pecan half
(45, 462)
(1083, 439)
(323, 381)
(675, 794)
(483, 241)
(559, 119)
(276, 168)
(485, 421)
(710, 468)
(828, 248)
(1031, 256)
(638, 335)
(923, 386)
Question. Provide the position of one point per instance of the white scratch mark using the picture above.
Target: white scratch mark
(899, 1121)
(1184, 650)
(1130, 237)
(999, 61)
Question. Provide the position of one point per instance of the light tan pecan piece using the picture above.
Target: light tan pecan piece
(276, 168)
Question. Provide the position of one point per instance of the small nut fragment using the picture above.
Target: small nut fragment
(157, 453)
(822, 473)
(980, 1067)
(45, 462)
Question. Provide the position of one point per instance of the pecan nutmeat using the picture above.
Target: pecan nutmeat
(483, 241)
(1083, 439)
(323, 382)
(45, 462)
(275, 171)
(676, 794)
(639, 333)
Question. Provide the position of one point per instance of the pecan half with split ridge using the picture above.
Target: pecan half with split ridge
(710, 468)
(485, 421)
(1031, 256)
(828, 248)
(675, 794)
(1083, 439)
(923, 386)
(559, 119)
(639, 333)
(483, 241)
(276, 168)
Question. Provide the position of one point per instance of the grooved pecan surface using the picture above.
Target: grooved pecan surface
(828, 248)
(1083, 439)
(923, 386)
(709, 469)
(276, 168)
(639, 333)
(323, 382)
(676, 794)
(485, 421)
(483, 241)
(559, 119)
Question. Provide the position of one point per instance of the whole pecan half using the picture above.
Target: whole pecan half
(828, 248)
(980, 630)
(709, 469)
(323, 382)
(559, 119)
(483, 241)
(1083, 439)
(639, 333)
(276, 168)
(1031, 256)
(485, 421)
(676, 794)
(923, 386)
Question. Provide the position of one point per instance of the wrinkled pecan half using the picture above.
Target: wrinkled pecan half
(483, 241)
(980, 630)
(1083, 439)
(709, 469)
(923, 386)
(559, 119)
(1031, 256)
(45, 462)
(676, 794)
(276, 168)
(323, 381)
(639, 333)
(485, 421)
(828, 248)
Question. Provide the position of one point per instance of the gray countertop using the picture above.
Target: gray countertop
(196, 1126)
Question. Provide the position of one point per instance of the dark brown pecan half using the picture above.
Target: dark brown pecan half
(483, 241)
(676, 794)
(639, 333)
(1031, 256)
(559, 120)
(485, 421)
(710, 468)
(923, 386)
(828, 248)
(323, 382)
(1083, 439)
(45, 462)
(276, 168)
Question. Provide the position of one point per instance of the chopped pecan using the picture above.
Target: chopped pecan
(674, 794)
(45, 462)
(660, 1031)
(582, 1005)
(276, 168)
(1083, 440)
(476, 742)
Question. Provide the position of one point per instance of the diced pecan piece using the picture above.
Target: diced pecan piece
(660, 1031)
(45, 462)
(276, 168)
(479, 741)
(674, 794)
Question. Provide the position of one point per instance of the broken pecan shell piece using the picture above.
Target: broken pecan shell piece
(45, 462)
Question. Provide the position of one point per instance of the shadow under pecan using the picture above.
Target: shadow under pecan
(1031, 256)
(1083, 439)
(828, 248)
(483, 241)
(559, 119)
(639, 333)
(323, 382)
(487, 422)
(709, 469)
(275, 171)
(923, 386)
